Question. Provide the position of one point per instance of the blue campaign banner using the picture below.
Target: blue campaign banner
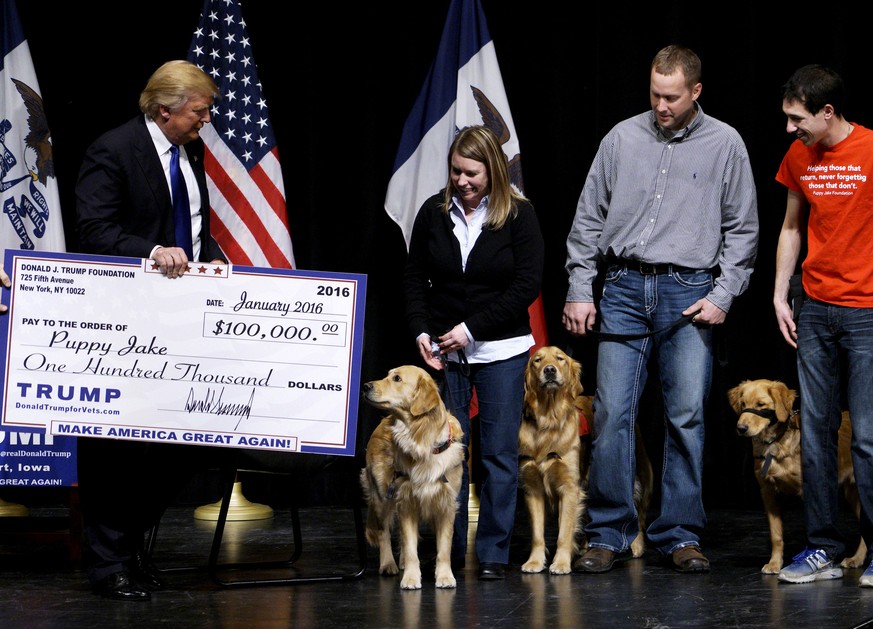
(35, 458)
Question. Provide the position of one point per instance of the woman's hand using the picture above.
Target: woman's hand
(453, 340)
(435, 362)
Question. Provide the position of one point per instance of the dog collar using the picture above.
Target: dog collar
(444, 445)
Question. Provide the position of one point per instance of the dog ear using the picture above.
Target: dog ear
(531, 390)
(784, 398)
(530, 377)
(425, 398)
(576, 377)
(734, 396)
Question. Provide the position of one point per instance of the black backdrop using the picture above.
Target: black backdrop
(340, 81)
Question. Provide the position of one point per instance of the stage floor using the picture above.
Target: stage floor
(39, 588)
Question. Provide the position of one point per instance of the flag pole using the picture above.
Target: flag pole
(244, 177)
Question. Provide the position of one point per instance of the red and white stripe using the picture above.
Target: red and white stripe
(249, 218)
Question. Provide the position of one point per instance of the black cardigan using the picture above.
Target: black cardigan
(503, 276)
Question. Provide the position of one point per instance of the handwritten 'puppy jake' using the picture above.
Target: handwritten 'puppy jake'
(413, 472)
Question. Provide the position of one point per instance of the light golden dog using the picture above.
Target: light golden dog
(413, 472)
(553, 459)
(766, 416)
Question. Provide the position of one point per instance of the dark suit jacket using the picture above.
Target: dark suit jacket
(124, 208)
(123, 202)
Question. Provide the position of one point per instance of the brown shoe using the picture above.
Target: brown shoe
(689, 559)
(595, 560)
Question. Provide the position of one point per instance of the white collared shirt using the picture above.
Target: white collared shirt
(162, 146)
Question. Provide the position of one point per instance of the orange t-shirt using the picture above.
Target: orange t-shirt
(837, 182)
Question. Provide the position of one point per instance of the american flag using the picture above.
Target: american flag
(246, 189)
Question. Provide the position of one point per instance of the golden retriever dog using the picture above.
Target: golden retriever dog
(553, 459)
(766, 416)
(413, 472)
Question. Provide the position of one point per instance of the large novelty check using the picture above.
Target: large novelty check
(230, 356)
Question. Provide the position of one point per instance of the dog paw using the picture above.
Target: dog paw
(411, 579)
(852, 562)
(387, 565)
(388, 569)
(638, 546)
(560, 567)
(771, 568)
(533, 566)
(446, 581)
(408, 583)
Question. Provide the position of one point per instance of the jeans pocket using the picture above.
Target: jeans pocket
(694, 278)
(613, 273)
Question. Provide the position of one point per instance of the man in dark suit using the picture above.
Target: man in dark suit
(125, 207)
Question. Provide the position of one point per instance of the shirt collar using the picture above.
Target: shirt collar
(162, 144)
(458, 206)
(678, 136)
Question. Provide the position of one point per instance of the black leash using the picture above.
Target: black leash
(608, 336)
(463, 365)
(770, 414)
(446, 393)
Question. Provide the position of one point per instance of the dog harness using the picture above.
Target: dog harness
(392, 488)
(523, 458)
(769, 413)
(438, 449)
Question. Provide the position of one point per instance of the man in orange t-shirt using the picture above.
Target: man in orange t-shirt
(826, 171)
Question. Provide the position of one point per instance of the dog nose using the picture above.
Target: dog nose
(742, 429)
(550, 370)
(367, 386)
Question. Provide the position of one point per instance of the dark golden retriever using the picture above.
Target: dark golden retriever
(553, 459)
(413, 472)
(766, 416)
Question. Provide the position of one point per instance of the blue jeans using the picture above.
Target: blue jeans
(634, 303)
(825, 333)
(500, 393)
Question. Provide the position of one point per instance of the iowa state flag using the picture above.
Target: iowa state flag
(31, 216)
(464, 87)
(31, 221)
(244, 177)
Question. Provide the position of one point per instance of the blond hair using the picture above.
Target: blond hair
(480, 143)
(172, 85)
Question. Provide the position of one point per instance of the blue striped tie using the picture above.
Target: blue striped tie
(181, 206)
